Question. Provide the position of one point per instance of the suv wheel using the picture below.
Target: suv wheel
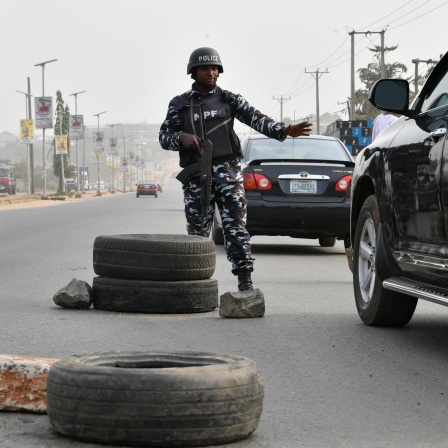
(376, 305)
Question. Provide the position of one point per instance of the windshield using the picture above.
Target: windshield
(298, 148)
(147, 182)
(4, 172)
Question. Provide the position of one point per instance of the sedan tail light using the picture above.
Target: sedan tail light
(256, 182)
(343, 184)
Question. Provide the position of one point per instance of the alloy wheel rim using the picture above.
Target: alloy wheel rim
(366, 260)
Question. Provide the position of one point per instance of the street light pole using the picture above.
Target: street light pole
(98, 192)
(44, 159)
(113, 160)
(124, 159)
(78, 194)
(28, 116)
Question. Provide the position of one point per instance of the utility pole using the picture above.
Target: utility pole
(281, 100)
(30, 186)
(382, 66)
(98, 190)
(62, 176)
(317, 74)
(347, 104)
(44, 159)
(78, 192)
(124, 160)
(113, 160)
(30, 146)
(416, 62)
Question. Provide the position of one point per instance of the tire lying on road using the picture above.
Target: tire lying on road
(154, 257)
(149, 296)
(154, 398)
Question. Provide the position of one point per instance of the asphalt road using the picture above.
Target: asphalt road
(330, 381)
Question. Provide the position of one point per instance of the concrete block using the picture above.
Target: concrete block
(242, 304)
(23, 383)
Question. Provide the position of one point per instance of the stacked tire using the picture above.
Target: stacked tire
(154, 273)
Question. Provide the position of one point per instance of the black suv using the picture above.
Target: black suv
(399, 204)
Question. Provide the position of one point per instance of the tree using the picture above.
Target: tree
(369, 75)
(61, 127)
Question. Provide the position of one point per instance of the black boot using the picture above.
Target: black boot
(244, 281)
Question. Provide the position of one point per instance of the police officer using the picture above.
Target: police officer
(181, 132)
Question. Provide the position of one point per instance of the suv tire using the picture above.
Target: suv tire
(376, 305)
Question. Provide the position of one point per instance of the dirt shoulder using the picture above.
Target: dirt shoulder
(10, 202)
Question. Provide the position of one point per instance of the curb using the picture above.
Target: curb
(23, 383)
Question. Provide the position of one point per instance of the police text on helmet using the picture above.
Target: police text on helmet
(208, 58)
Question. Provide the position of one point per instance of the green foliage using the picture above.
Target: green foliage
(369, 75)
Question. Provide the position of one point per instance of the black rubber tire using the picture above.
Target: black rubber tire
(217, 235)
(376, 305)
(154, 257)
(179, 399)
(327, 241)
(145, 296)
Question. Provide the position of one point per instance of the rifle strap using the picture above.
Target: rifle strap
(192, 116)
(206, 133)
(219, 125)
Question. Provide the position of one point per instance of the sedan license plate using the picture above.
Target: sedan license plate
(303, 186)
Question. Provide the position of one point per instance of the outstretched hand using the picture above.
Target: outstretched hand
(296, 130)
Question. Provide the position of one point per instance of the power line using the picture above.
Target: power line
(420, 16)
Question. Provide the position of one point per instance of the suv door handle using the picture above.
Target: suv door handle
(438, 133)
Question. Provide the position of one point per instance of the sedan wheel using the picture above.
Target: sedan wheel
(376, 305)
(216, 232)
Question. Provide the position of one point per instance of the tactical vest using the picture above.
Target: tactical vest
(218, 126)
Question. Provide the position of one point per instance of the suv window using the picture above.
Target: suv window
(436, 95)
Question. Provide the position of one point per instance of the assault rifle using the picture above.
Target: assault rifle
(204, 166)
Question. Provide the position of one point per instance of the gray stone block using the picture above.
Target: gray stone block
(77, 294)
(242, 304)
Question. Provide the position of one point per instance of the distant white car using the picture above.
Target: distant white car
(94, 185)
(71, 184)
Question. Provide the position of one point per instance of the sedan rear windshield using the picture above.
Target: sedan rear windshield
(147, 182)
(297, 148)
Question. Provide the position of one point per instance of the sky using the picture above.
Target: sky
(130, 56)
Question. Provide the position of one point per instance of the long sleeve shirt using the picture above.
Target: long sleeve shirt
(241, 110)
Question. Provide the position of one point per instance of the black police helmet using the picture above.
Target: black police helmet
(204, 56)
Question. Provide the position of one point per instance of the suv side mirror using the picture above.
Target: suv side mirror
(391, 95)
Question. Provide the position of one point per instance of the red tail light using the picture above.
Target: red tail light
(343, 184)
(256, 182)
